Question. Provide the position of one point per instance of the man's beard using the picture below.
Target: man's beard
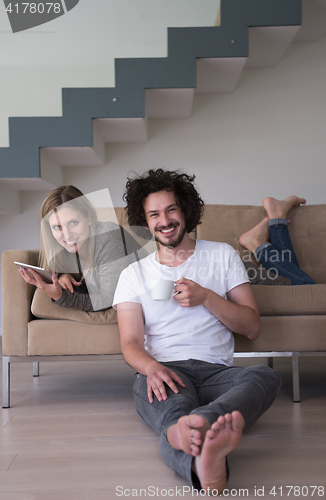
(175, 243)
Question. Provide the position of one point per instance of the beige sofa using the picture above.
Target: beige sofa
(293, 318)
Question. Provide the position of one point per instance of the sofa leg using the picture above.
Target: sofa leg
(5, 382)
(270, 362)
(295, 377)
(36, 368)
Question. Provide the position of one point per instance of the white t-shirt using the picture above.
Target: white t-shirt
(173, 332)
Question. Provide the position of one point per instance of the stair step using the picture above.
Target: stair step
(218, 75)
(313, 21)
(248, 33)
(169, 103)
(268, 44)
(121, 129)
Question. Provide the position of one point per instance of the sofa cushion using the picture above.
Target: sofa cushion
(286, 333)
(42, 307)
(290, 300)
(48, 337)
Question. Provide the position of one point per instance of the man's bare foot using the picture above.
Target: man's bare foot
(188, 434)
(279, 209)
(256, 236)
(223, 437)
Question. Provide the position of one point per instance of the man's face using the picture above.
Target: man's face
(164, 218)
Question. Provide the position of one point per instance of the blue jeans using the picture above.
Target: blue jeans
(211, 390)
(279, 255)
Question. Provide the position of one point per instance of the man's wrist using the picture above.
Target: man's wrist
(208, 296)
(150, 365)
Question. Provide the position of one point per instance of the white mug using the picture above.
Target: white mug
(161, 289)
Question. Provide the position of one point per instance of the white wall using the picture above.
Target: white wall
(78, 49)
(266, 138)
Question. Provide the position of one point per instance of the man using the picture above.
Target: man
(187, 389)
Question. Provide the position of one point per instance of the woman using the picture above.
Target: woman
(84, 256)
(270, 241)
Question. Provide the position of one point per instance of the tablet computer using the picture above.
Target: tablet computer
(45, 275)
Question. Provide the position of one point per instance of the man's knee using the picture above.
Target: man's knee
(265, 377)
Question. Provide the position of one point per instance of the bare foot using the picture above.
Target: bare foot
(256, 236)
(279, 209)
(188, 434)
(223, 437)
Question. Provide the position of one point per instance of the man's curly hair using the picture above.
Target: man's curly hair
(187, 197)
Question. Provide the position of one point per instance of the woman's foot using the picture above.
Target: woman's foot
(256, 236)
(279, 209)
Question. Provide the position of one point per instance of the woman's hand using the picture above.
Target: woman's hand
(53, 289)
(67, 281)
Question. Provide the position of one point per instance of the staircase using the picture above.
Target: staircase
(253, 33)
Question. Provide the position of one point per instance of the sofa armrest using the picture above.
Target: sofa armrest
(16, 302)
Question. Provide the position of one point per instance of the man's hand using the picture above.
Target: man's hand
(239, 312)
(157, 376)
(190, 294)
(131, 326)
(67, 282)
(54, 289)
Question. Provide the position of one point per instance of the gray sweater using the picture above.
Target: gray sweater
(113, 252)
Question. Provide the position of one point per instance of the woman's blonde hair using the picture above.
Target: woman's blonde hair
(53, 256)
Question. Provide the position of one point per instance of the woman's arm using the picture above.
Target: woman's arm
(114, 250)
(53, 289)
(67, 282)
(77, 300)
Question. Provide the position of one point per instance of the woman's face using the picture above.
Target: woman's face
(71, 229)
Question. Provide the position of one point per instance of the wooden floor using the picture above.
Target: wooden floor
(73, 434)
